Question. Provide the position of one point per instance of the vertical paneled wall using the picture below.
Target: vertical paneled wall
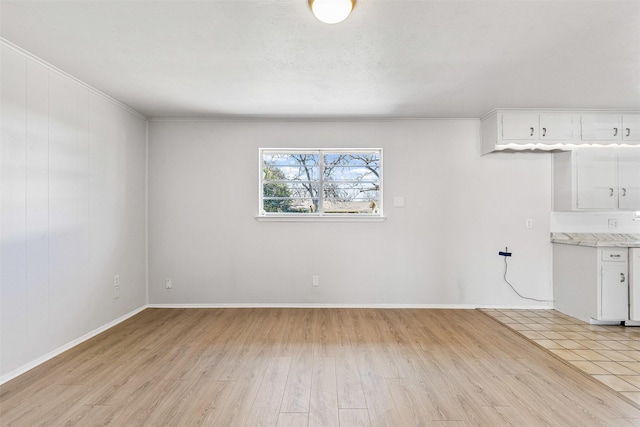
(72, 210)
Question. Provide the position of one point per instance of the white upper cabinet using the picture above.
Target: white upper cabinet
(601, 127)
(629, 178)
(631, 127)
(516, 129)
(537, 127)
(610, 128)
(556, 127)
(597, 179)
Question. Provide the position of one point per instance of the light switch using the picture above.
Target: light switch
(398, 202)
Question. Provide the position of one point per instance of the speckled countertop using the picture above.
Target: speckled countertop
(597, 240)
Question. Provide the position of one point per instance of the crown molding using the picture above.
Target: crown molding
(6, 43)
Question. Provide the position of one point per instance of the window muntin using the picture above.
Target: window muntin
(321, 182)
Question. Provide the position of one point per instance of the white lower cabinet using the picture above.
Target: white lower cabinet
(634, 284)
(591, 284)
(614, 291)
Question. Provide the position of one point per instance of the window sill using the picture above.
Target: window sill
(318, 218)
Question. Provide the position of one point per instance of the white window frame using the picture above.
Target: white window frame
(320, 215)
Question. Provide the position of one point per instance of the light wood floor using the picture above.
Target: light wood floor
(299, 367)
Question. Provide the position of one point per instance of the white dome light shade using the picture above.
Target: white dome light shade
(332, 11)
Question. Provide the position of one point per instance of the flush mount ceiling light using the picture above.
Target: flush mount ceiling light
(331, 11)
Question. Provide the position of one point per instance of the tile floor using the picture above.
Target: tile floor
(610, 354)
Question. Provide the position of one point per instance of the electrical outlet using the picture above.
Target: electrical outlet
(529, 223)
(613, 223)
(315, 281)
(167, 284)
(116, 280)
(116, 292)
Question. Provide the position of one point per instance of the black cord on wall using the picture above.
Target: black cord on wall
(506, 254)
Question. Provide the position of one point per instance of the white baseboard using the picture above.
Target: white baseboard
(319, 305)
(27, 367)
(516, 307)
(309, 305)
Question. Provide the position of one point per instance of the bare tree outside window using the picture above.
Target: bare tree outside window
(319, 182)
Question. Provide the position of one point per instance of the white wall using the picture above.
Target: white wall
(73, 210)
(440, 249)
(594, 222)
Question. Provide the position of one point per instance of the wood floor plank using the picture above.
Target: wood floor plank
(297, 332)
(297, 393)
(293, 419)
(323, 410)
(90, 415)
(128, 383)
(414, 406)
(202, 402)
(279, 367)
(354, 418)
(165, 404)
(234, 410)
(266, 404)
(38, 410)
(348, 381)
(323, 334)
(382, 409)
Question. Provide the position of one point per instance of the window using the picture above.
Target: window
(332, 182)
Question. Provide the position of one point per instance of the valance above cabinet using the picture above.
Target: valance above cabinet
(547, 130)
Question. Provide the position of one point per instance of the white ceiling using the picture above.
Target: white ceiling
(391, 58)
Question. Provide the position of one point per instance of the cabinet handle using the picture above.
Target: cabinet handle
(614, 256)
(531, 131)
(615, 131)
(624, 192)
(622, 278)
(628, 132)
(544, 131)
(611, 191)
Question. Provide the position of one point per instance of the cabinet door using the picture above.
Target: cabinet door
(601, 127)
(631, 127)
(634, 283)
(614, 296)
(556, 127)
(519, 126)
(596, 179)
(629, 178)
